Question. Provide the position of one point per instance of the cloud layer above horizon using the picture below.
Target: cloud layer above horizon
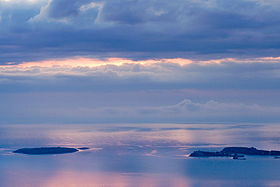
(118, 90)
(35, 30)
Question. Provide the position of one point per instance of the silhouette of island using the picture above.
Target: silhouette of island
(235, 152)
(46, 150)
(83, 148)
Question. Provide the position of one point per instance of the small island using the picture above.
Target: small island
(235, 152)
(46, 150)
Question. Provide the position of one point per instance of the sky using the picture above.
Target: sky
(139, 61)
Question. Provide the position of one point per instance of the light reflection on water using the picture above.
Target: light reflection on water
(137, 155)
(77, 179)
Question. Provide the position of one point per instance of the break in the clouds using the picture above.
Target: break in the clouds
(139, 29)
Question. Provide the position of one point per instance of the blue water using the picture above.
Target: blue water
(137, 155)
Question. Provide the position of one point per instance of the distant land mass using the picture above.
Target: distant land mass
(235, 152)
(46, 150)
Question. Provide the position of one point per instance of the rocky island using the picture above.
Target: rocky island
(46, 150)
(235, 152)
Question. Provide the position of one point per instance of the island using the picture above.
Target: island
(235, 152)
(83, 148)
(46, 150)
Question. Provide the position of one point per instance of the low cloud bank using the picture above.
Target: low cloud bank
(186, 111)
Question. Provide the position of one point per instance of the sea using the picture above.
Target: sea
(137, 155)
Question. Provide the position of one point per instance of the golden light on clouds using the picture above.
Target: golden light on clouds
(72, 65)
(91, 62)
(94, 62)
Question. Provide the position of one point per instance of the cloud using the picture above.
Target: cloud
(86, 74)
(137, 29)
(86, 90)
(186, 111)
(80, 13)
(117, 57)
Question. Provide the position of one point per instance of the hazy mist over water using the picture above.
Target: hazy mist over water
(137, 155)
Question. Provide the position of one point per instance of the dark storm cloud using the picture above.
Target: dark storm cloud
(131, 28)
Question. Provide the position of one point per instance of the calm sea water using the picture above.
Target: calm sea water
(137, 155)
